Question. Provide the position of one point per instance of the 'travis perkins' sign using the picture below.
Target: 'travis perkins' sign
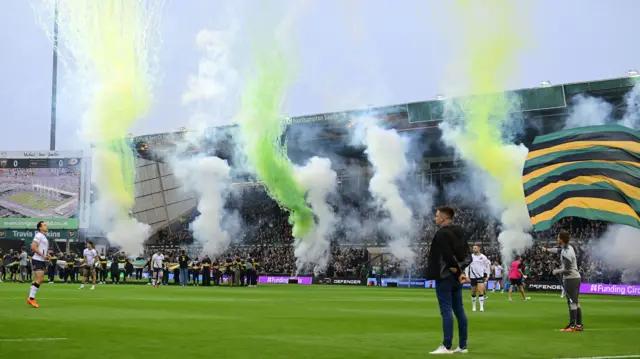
(27, 234)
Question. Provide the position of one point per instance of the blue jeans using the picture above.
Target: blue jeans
(449, 292)
(184, 275)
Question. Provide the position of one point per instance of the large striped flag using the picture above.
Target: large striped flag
(589, 172)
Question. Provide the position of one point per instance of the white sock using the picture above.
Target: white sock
(482, 302)
(473, 300)
(33, 291)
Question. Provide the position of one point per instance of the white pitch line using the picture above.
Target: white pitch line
(607, 329)
(30, 339)
(607, 357)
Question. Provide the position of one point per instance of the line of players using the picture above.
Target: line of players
(94, 265)
(236, 271)
(478, 274)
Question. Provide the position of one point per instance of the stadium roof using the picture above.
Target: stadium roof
(547, 100)
(531, 99)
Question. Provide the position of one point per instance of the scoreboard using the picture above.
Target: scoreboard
(51, 159)
(39, 162)
(53, 186)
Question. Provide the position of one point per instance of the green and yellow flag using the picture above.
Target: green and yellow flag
(589, 172)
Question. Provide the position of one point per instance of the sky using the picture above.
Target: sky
(349, 54)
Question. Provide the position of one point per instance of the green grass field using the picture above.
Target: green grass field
(287, 321)
(34, 201)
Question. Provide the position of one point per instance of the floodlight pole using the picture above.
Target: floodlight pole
(54, 82)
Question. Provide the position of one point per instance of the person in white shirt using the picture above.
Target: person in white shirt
(477, 272)
(40, 248)
(89, 265)
(497, 276)
(157, 264)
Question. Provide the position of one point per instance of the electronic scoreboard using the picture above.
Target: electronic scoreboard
(30, 162)
(42, 185)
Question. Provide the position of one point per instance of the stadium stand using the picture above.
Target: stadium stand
(170, 210)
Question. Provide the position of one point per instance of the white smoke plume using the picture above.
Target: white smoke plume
(618, 247)
(589, 111)
(209, 178)
(464, 191)
(516, 224)
(213, 68)
(213, 92)
(592, 111)
(212, 96)
(122, 230)
(386, 151)
(129, 234)
(319, 181)
(631, 118)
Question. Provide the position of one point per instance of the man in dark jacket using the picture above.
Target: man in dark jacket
(448, 257)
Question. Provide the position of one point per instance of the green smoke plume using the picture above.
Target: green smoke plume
(122, 151)
(262, 125)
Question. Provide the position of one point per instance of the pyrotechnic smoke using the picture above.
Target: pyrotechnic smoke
(593, 111)
(488, 50)
(386, 152)
(589, 111)
(262, 123)
(319, 181)
(464, 191)
(110, 47)
(209, 179)
(210, 96)
(213, 93)
(618, 247)
(631, 118)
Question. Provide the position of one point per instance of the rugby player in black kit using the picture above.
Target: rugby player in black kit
(206, 271)
(215, 272)
(230, 268)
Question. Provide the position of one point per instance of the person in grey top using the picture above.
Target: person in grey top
(570, 280)
(24, 262)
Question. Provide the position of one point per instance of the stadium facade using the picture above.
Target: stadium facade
(160, 199)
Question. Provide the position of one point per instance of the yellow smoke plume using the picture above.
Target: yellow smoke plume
(108, 41)
(489, 47)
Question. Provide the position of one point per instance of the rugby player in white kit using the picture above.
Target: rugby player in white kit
(89, 265)
(477, 272)
(497, 276)
(40, 248)
(157, 264)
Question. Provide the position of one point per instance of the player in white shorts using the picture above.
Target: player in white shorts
(157, 266)
(40, 249)
(477, 272)
(498, 272)
(89, 265)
